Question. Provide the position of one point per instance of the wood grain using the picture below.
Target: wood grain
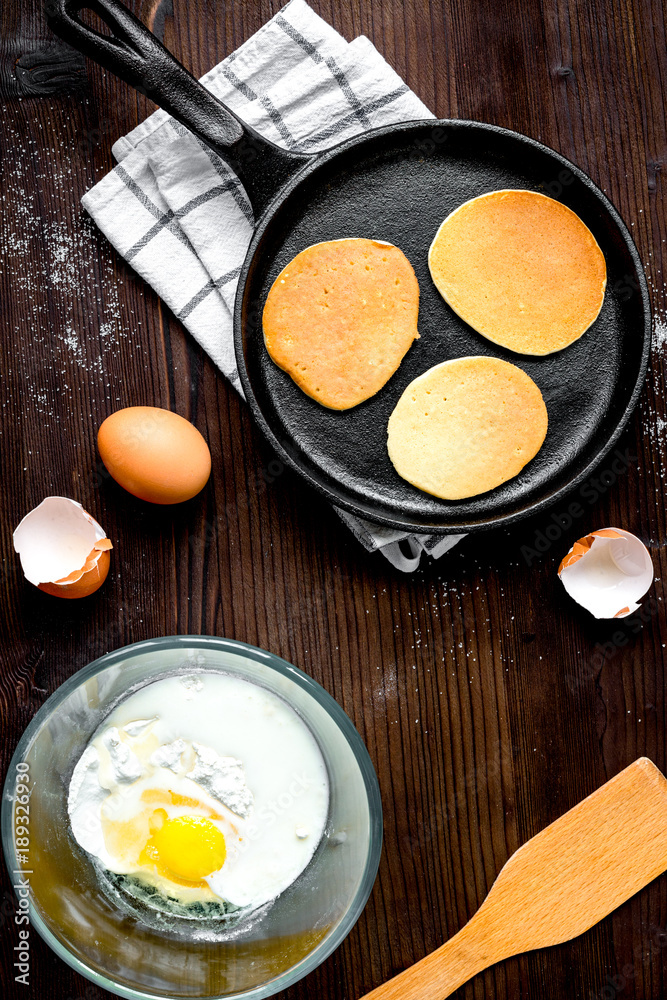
(489, 702)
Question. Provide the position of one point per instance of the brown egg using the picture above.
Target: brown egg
(154, 454)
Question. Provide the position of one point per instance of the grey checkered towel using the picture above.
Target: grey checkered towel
(177, 213)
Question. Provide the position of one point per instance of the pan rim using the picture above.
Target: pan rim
(380, 516)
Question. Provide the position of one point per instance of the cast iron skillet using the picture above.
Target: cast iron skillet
(398, 184)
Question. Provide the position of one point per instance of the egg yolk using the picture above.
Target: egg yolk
(187, 847)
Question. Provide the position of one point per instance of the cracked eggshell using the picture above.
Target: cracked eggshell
(63, 550)
(607, 572)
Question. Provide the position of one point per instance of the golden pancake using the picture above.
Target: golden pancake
(522, 269)
(466, 426)
(340, 318)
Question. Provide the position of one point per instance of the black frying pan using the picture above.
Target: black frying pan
(398, 184)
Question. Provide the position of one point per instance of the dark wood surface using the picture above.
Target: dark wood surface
(478, 686)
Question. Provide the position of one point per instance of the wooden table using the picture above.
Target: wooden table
(490, 703)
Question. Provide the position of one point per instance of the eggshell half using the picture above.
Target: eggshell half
(154, 454)
(63, 550)
(607, 572)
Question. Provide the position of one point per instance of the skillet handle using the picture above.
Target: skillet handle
(136, 56)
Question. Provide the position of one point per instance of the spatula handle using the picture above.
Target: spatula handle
(442, 972)
(561, 882)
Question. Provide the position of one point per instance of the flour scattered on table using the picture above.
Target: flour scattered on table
(71, 340)
(71, 316)
(658, 432)
(652, 420)
(659, 335)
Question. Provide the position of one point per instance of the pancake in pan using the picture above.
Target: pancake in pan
(340, 318)
(466, 426)
(521, 268)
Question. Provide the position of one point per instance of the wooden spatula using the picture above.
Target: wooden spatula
(560, 883)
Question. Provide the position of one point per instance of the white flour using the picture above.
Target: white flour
(72, 321)
(659, 335)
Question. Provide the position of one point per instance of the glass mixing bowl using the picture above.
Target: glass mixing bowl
(114, 949)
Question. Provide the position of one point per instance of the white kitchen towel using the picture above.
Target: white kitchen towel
(177, 213)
